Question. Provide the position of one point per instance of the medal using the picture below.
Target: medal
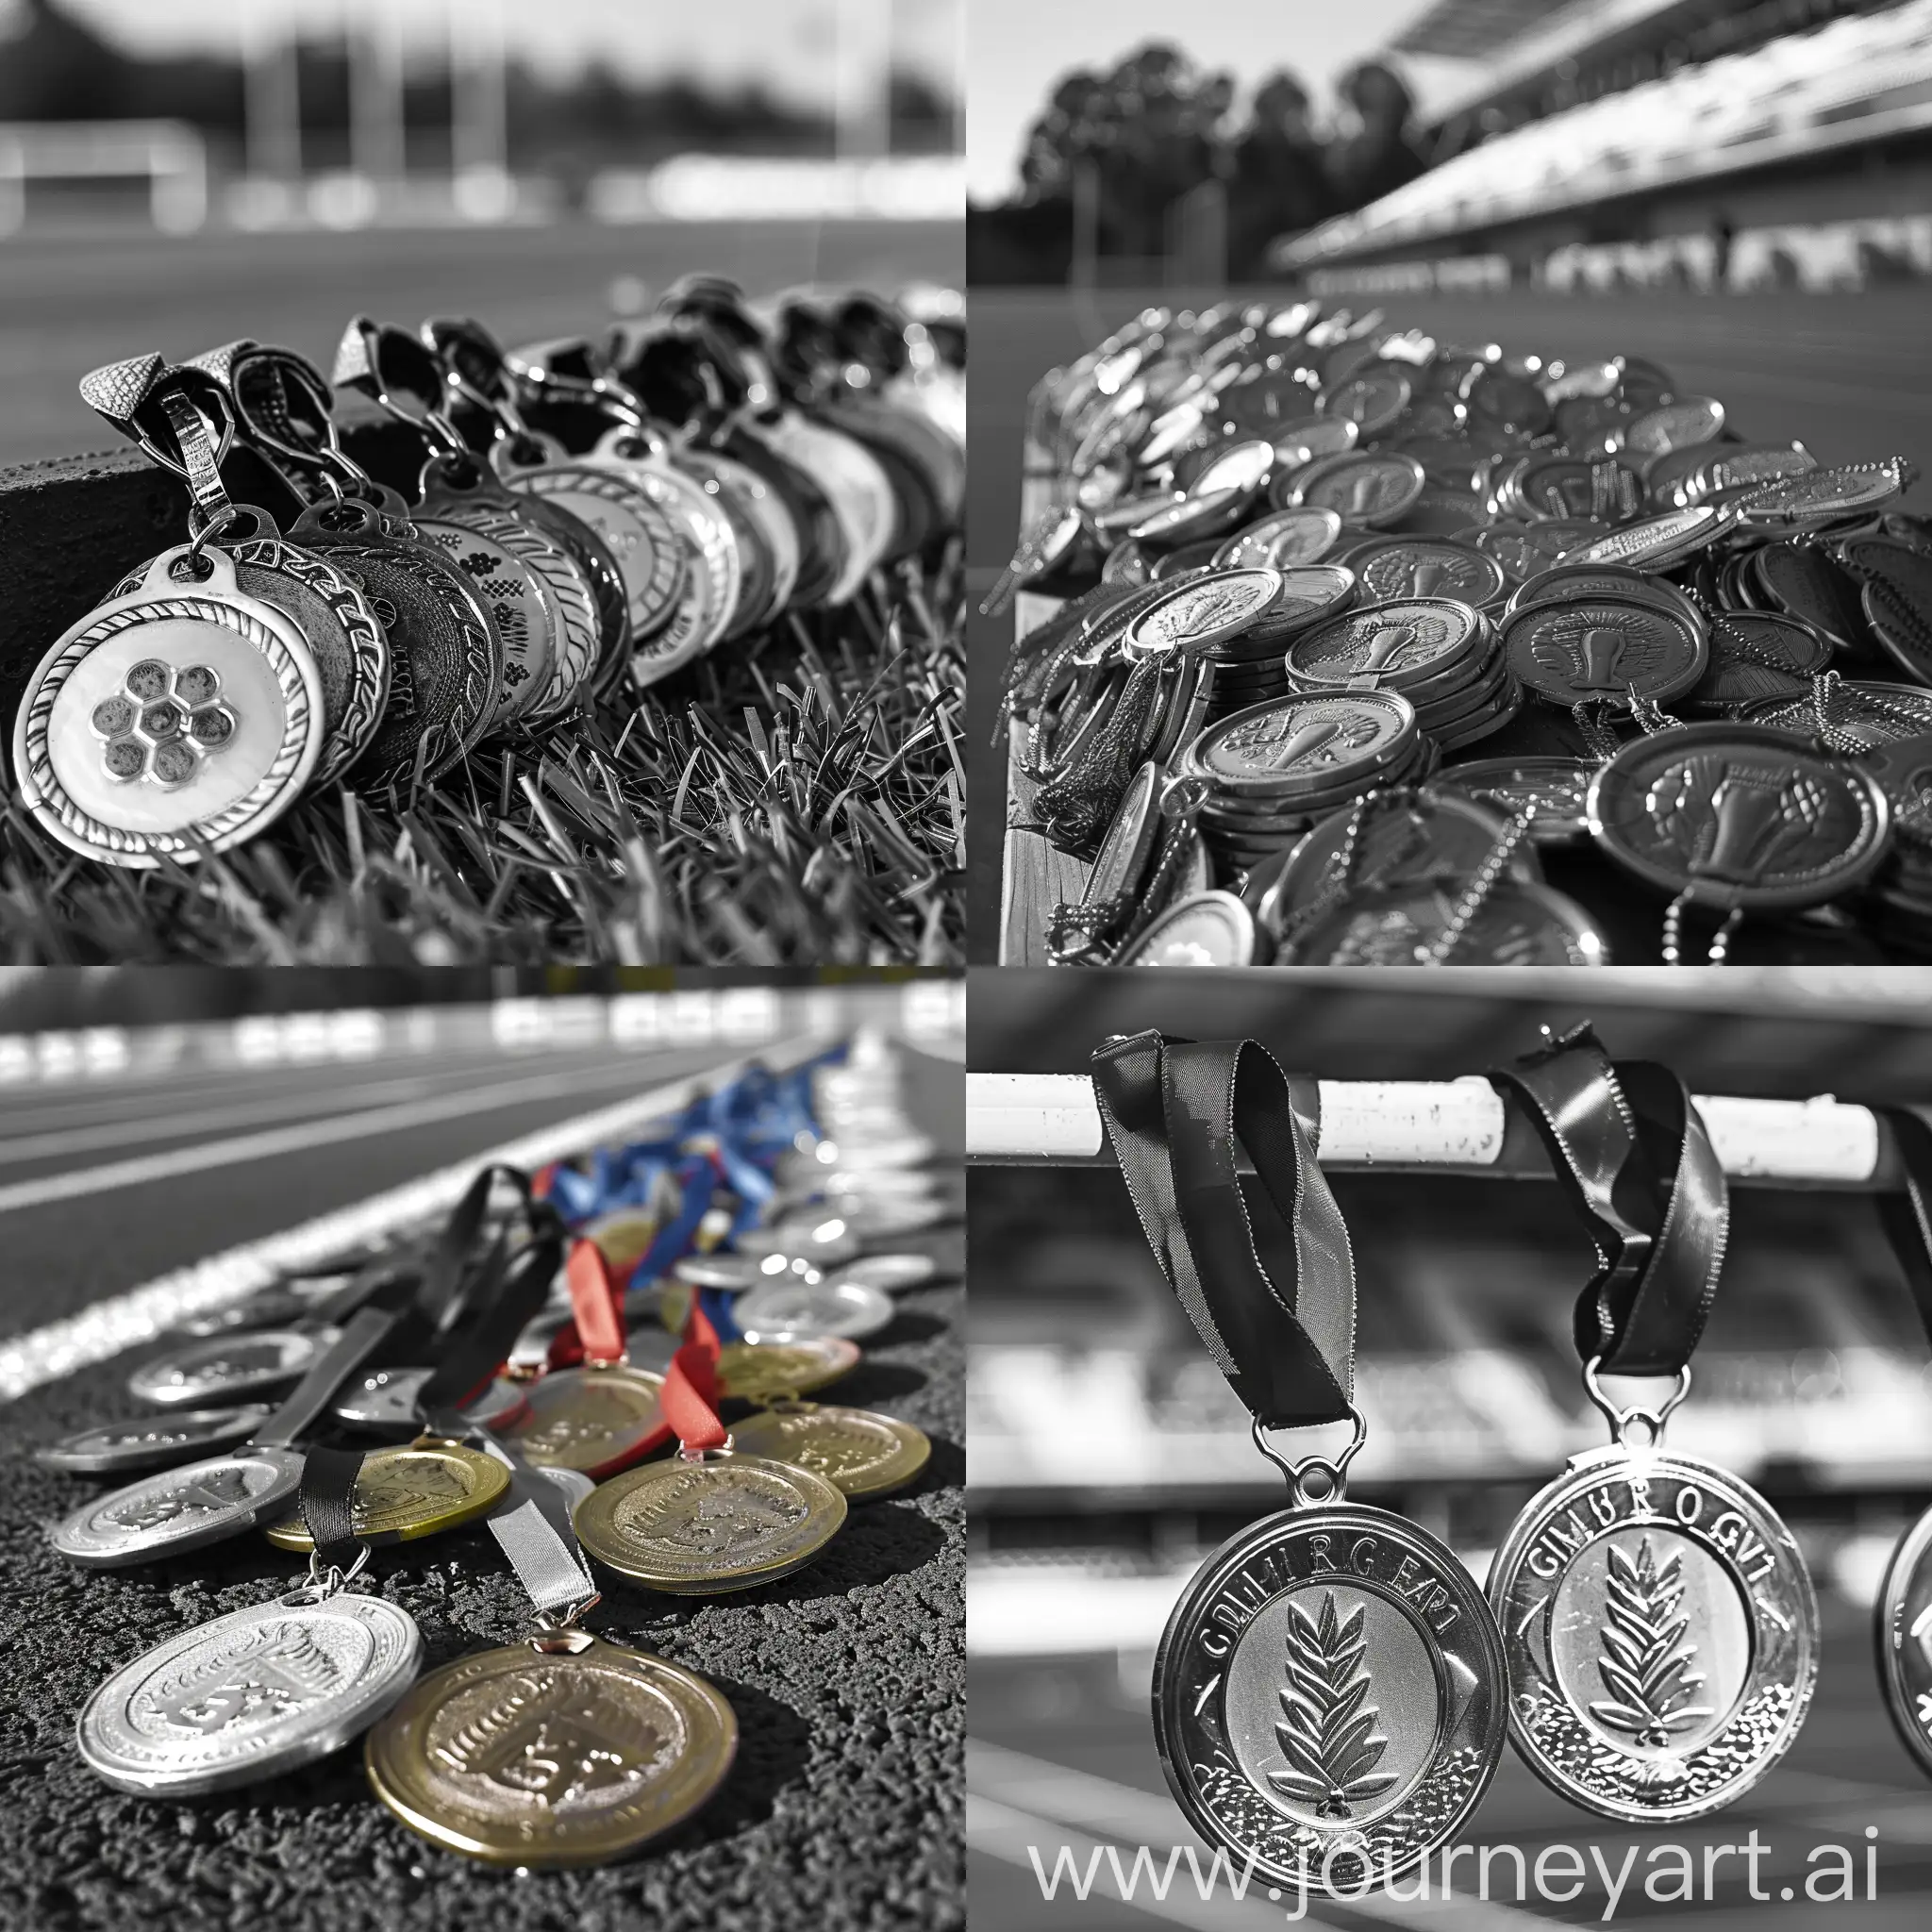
(564, 1749)
(1661, 1630)
(859, 1453)
(711, 1519)
(207, 1502)
(782, 1310)
(601, 1415)
(1328, 1692)
(758, 1371)
(414, 1491)
(261, 1690)
(124, 1448)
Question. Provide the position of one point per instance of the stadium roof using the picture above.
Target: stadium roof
(1471, 29)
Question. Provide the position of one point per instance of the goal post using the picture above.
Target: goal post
(169, 154)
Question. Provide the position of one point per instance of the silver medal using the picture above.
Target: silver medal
(780, 1309)
(250, 1695)
(152, 1442)
(1660, 1628)
(1330, 1697)
(181, 1509)
(387, 1399)
(231, 1365)
(1905, 1641)
(894, 1273)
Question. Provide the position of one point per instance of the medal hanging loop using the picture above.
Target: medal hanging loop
(401, 376)
(1266, 1275)
(282, 404)
(1634, 1427)
(1633, 1156)
(1315, 1479)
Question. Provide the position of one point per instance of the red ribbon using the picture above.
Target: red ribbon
(596, 1333)
(690, 1388)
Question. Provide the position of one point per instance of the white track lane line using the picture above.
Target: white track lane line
(1136, 1817)
(127, 1321)
(370, 1122)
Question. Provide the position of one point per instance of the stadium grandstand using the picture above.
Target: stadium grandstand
(1706, 144)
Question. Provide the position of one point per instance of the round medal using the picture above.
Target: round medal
(1515, 924)
(597, 1420)
(1742, 814)
(1330, 1697)
(1397, 644)
(750, 1371)
(1210, 929)
(1368, 487)
(822, 1237)
(779, 1310)
(894, 1273)
(1282, 540)
(128, 1447)
(1661, 1631)
(1410, 567)
(1550, 792)
(410, 1491)
(859, 1453)
(1603, 647)
(185, 714)
(229, 1365)
(446, 656)
(735, 1273)
(1904, 1631)
(698, 1526)
(181, 1510)
(562, 1751)
(249, 1695)
(386, 1398)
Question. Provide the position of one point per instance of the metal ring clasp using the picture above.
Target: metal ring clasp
(323, 1584)
(1623, 1421)
(1315, 1478)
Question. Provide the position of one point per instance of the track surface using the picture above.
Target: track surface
(1843, 373)
(1846, 1772)
(842, 1808)
(68, 304)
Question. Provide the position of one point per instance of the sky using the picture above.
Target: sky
(1016, 49)
(791, 47)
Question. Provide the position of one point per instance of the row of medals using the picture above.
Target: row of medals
(1364, 559)
(564, 1749)
(381, 641)
(1332, 1692)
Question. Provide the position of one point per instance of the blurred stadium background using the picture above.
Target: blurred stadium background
(1107, 1455)
(175, 177)
(1740, 191)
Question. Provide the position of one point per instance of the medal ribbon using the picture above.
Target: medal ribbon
(328, 1506)
(1266, 1275)
(1906, 1215)
(1633, 1156)
(365, 1332)
(690, 1388)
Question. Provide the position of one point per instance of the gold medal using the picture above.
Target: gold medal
(859, 1453)
(415, 1490)
(564, 1750)
(598, 1418)
(703, 1523)
(624, 1236)
(768, 1371)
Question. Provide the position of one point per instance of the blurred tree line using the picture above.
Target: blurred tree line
(57, 68)
(1137, 140)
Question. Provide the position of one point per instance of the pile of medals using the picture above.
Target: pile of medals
(496, 1356)
(1332, 1693)
(585, 519)
(1313, 566)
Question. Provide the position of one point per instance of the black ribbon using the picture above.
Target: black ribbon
(1265, 1274)
(510, 1293)
(1632, 1155)
(328, 1492)
(1906, 1214)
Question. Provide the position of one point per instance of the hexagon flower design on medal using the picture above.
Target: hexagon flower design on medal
(163, 723)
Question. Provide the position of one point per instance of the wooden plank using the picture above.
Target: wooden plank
(1035, 874)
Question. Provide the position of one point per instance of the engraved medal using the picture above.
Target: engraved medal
(1661, 1630)
(1329, 1699)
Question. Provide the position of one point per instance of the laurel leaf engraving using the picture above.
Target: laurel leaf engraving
(1327, 1730)
(1644, 1661)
